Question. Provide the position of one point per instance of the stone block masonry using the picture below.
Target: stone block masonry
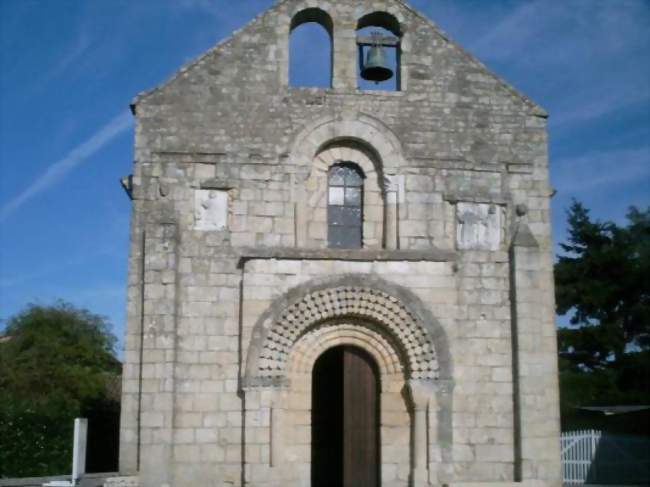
(234, 293)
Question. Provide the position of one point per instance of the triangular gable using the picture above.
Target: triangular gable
(535, 108)
(198, 60)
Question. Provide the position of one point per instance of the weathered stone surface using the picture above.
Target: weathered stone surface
(211, 209)
(233, 293)
(480, 226)
(121, 482)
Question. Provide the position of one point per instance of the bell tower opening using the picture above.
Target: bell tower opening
(379, 42)
(345, 419)
(310, 49)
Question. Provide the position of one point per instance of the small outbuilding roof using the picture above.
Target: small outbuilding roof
(612, 410)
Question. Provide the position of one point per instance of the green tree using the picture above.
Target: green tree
(602, 284)
(56, 363)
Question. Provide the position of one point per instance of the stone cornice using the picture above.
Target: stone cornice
(362, 255)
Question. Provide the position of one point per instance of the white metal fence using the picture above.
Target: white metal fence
(578, 453)
(590, 456)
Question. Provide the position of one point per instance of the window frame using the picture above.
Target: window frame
(340, 243)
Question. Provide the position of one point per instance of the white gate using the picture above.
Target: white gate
(578, 453)
(592, 457)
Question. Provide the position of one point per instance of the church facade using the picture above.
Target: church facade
(339, 286)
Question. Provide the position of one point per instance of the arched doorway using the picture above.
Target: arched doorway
(345, 419)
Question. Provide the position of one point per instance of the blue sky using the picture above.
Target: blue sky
(69, 69)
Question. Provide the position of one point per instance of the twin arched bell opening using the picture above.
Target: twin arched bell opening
(376, 67)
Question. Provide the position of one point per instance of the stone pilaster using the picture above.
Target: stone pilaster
(345, 55)
(535, 375)
(158, 353)
(423, 393)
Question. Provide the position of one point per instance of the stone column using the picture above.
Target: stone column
(439, 428)
(159, 340)
(278, 408)
(537, 429)
(421, 392)
(394, 189)
(132, 369)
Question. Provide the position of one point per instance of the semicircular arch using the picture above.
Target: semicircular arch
(365, 130)
(322, 338)
(391, 310)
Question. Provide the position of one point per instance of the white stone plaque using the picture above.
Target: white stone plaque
(210, 209)
(479, 226)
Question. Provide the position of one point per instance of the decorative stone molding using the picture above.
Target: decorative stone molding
(354, 255)
(346, 152)
(419, 316)
(365, 304)
(395, 187)
(421, 392)
(122, 482)
(365, 129)
(334, 333)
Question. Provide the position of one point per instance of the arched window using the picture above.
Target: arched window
(310, 49)
(345, 206)
(380, 29)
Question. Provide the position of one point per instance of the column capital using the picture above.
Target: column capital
(423, 390)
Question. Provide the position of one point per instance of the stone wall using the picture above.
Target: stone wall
(229, 226)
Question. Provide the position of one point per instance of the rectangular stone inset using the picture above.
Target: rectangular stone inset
(210, 209)
(479, 226)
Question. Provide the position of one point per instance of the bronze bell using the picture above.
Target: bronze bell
(376, 68)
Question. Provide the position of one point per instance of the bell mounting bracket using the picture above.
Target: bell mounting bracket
(377, 40)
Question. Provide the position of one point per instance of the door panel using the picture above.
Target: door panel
(345, 419)
(360, 420)
(327, 420)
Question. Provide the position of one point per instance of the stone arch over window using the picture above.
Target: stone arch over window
(314, 17)
(364, 141)
(371, 132)
(387, 30)
(317, 189)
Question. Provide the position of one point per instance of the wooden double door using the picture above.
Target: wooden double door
(345, 419)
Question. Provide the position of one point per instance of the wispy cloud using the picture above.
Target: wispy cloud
(585, 58)
(57, 171)
(589, 172)
(595, 105)
(71, 57)
(237, 13)
(511, 34)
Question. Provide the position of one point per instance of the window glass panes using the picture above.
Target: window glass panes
(345, 238)
(345, 216)
(353, 196)
(337, 196)
(352, 178)
(345, 206)
(337, 176)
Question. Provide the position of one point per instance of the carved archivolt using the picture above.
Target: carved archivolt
(378, 310)
(334, 333)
